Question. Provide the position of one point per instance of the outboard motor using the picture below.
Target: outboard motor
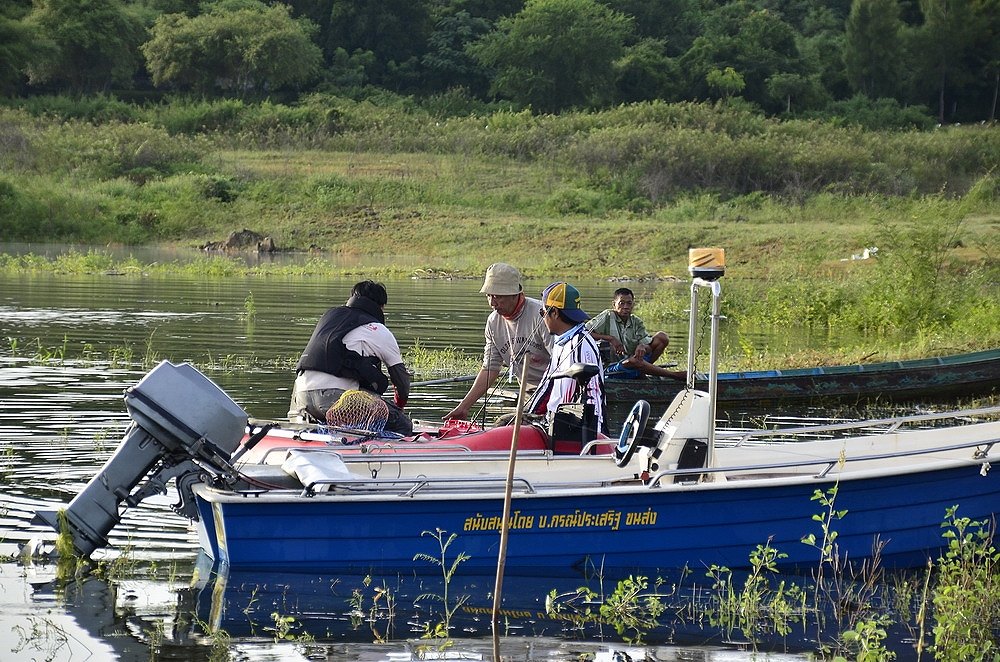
(184, 426)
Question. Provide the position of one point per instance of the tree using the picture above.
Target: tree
(987, 52)
(556, 54)
(395, 31)
(942, 44)
(726, 82)
(786, 87)
(92, 43)
(821, 45)
(645, 73)
(17, 46)
(447, 62)
(675, 24)
(251, 50)
(756, 44)
(873, 48)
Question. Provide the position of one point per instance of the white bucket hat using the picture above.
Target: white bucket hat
(501, 279)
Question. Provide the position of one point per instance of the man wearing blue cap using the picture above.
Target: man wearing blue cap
(573, 344)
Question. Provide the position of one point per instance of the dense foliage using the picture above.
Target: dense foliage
(791, 57)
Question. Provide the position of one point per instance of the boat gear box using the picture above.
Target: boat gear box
(179, 405)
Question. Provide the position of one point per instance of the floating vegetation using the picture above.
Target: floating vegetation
(448, 361)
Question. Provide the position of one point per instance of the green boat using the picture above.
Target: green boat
(934, 379)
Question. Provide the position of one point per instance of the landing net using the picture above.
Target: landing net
(358, 410)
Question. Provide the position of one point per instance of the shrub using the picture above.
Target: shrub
(115, 150)
(966, 594)
(875, 115)
(189, 117)
(97, 109)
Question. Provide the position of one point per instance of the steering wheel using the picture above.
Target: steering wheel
(632, 429)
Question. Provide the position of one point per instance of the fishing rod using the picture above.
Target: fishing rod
(444, 380)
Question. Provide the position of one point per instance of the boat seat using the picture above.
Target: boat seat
(687, 418)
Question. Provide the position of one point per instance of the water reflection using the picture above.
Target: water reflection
(129, 321)
(272, 616)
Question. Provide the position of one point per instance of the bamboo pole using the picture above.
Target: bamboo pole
(505, 523)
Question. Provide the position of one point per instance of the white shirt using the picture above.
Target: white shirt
(371, 339)
(574, 346)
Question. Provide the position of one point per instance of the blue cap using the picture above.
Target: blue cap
(566, 298)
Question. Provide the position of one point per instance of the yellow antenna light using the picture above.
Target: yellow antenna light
(707, 263)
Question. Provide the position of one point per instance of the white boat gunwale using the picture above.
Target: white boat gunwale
(486, 483)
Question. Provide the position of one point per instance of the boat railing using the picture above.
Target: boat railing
(982, 455)
(878, 425)
(436, 452)
(417, 484)
(364, 450)
(466, 484)
(591, 445)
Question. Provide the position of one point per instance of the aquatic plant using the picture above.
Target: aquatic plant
(966, 592)
(756, 604)
(221, 643)
(447, 361)
(448, 606)
(44, 355)
(150, 357)
(43, 635)
(632, 609)
(867, 642)
(69, 564)
(154, 639)
(287, 628)
(118, 567)
(249, 308)
(382, 607)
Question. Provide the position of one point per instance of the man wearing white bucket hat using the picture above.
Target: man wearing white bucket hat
(513, 333)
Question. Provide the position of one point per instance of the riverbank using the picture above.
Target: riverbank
(616, 193)
(887, 237)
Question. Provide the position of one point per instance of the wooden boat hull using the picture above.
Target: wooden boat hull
(933, 379)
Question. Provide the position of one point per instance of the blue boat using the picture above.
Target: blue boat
(614, 522)
(686, 495)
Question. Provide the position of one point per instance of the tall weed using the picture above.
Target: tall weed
(966, 593)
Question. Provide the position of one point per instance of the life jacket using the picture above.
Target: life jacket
(326, 351)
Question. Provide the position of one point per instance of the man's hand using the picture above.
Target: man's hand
(459, 412)
(397, 399)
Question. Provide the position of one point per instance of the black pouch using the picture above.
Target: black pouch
(367, 370)
(573, 423)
